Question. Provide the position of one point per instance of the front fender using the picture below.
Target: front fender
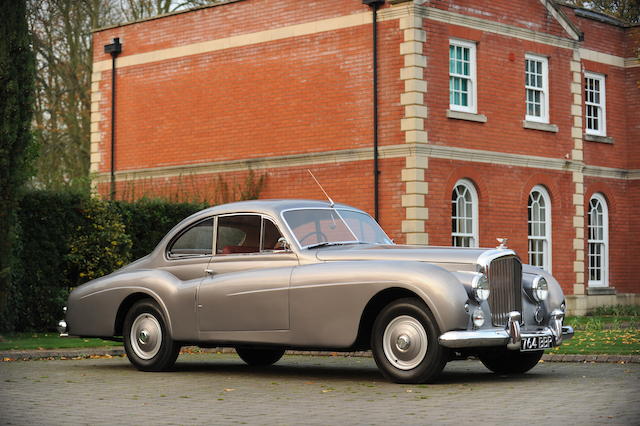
(93, 307)
(338, 292)
(556, 295)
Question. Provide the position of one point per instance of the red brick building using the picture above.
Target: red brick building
(516, 119)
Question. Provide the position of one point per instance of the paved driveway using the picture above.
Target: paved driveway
(210, 388)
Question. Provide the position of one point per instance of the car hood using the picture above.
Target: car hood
(452, 258)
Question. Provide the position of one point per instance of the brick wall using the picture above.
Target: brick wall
(288, 87)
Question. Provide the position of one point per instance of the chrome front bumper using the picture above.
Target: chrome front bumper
(511, 336)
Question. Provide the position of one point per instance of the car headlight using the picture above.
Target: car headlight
(480, 286)
(540, 288)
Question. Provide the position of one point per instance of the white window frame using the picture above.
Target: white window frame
(472, 78)
(544, 90)
(601, 106)
(604, 243)
(546, 238)
(473, 235)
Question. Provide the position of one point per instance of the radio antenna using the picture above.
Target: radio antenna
(331, 203)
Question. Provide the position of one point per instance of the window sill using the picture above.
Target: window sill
(595, 291)
(600, 139)
(534, 125)
(459, 115)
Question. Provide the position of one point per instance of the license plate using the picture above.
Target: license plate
(536, 343)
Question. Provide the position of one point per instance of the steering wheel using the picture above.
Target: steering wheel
(321, 237)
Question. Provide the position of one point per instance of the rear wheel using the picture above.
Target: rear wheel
(505, 361)
(260, 357)
(147, 342)
(404, 342)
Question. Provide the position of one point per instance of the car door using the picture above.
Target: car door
(189, 253)
(248, 286)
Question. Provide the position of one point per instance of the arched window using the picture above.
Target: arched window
(598, 224)
(539, 221)
(464, 215)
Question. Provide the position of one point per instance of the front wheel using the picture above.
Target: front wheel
(404, 342)
(260, 357)
(147, 342)
(505, 361)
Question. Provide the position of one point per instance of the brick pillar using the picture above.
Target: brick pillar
(412, 124)
(578, 176)
(96, 135)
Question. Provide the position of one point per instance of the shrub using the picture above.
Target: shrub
(40, 279)
(65, 239)
(100, 244)
(618, 310)
(148, 220)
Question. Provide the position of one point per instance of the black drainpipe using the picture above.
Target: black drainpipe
(114, 49)
(375, 4)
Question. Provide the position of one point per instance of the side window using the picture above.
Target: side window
(536, 76)
(464, 215)
(539, 224)
(195, 241)
(462, 76)
(270, 236)
(598, 225)
(238, 234)
(595, 105)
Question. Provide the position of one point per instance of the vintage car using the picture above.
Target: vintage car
(270, 275)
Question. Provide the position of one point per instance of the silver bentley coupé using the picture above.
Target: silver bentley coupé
(270, 275)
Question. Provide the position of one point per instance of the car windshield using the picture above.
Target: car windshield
(315, 227)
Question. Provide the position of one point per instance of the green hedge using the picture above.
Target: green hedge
(147, 221)
(65, 239)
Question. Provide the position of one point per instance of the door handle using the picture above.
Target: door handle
(209, 271)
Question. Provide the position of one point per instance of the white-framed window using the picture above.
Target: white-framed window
(536, 84)
(595, 104)
(539, 224)
(462, 76)
(598, 225)
(464, 214)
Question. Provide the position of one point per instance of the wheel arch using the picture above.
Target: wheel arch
(373, 308)
(126, 305)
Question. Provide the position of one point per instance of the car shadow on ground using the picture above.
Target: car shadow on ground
(468, 373)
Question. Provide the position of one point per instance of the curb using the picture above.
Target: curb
(27, 355)
(118, 351)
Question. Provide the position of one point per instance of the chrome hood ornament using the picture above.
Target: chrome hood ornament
(502, 243)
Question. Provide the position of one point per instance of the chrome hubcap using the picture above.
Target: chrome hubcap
(143, 337)
(405, 342)
(146, 336)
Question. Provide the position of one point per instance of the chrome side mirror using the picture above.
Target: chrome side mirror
(282, 244)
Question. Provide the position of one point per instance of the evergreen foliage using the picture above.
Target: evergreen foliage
(16, 102)
(148, 220)
(65, 239)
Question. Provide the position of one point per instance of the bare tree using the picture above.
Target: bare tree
(625, 10)
(61, 31)
(135, 10)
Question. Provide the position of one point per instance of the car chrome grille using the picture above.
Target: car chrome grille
(505, 280)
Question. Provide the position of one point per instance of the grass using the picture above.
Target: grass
(26, 341)
(603, 335)
(615, 330)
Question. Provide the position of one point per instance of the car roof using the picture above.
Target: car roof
(268, 207)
